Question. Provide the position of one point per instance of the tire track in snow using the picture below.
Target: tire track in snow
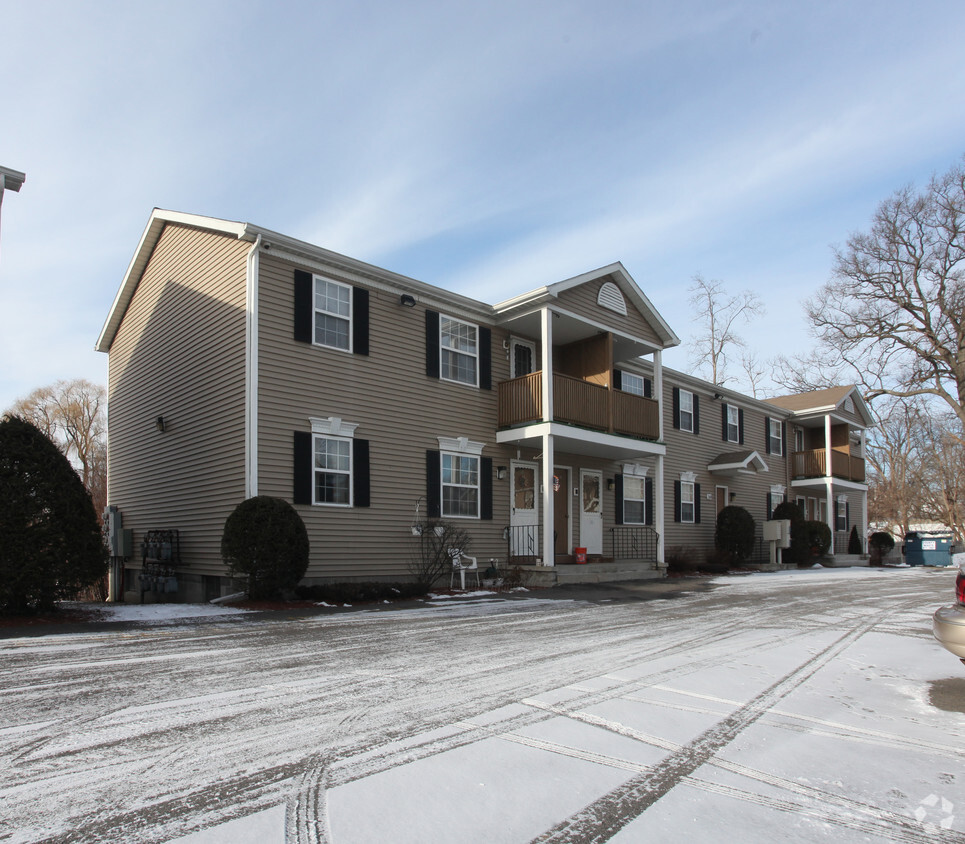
(604, 817)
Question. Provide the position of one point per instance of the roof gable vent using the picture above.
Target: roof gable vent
(611, 298)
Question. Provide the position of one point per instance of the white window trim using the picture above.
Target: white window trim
(442, 484)
(690, 412)
(688, 484)
(473, 355)
(316, 310)
(460, 445)
(736, 424)
(633, 378)
(334, 428)
(640, 476)
(350, 472)
(772, 439)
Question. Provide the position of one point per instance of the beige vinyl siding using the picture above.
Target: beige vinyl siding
(399, 410)
(688, 452)
(582, 300)
(180, 353)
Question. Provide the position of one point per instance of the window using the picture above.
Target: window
(460, 486)
(631, 383)
(686, 411)
(458, 351)
(733, 424)
(774, 437)
(333, 470)
(333, 314)
(841, 513)
(687, 501)
(634, 500)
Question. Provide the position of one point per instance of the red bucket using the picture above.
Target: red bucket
(580, 554)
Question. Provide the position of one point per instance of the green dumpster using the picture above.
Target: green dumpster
(923, 548)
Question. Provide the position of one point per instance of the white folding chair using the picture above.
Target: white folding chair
(462, 563)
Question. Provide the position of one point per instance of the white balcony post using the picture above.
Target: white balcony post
(549, 545)
(658, 508)
(658, 391)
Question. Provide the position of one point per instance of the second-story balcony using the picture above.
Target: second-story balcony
(813, 464)
(578, 402)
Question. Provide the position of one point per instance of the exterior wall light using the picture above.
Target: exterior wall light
(159, 424)
(407, 301)
(611, 484)
(501, 473)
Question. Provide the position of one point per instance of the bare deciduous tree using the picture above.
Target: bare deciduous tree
(893, 312)
(73, 415)
(718, 313)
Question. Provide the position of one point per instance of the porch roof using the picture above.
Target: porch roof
(737, 462)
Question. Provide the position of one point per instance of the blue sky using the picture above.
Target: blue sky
(485, 148)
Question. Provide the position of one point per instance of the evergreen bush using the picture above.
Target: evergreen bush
(265, 539)
(818, 538)
(879, 544)
(50, 539)
(854, 541)
(734, 535)
(799, 552)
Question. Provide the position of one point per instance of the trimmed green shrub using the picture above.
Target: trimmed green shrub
(734, 535)
(818, 538)
(879, 544)
(854, 541)
(265, 539)
(799, 553)
(50, 540)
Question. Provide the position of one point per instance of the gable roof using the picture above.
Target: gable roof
(616, 273)
(824, 401)
(737, 462)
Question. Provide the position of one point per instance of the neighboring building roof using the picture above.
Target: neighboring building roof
(824, 401)
(11, 180)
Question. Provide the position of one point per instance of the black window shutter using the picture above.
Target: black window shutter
(723, 422)
(304, 310)
(740, 426)
(648, 504)
(696, 415)
(676, 410)
(432, 344)
(433, 484)
(676, 501)
(302, 470)
(783, 438)
(647, 388)
(618, 497)
(486, 488)
(696, 495)
(360, 320)
(847, 515)
(485, 358)
(617, 379)
(767, 433)
(360, 471)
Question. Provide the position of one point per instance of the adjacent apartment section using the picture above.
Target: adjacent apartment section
(244, 362)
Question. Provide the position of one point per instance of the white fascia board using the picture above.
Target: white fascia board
(142, 254)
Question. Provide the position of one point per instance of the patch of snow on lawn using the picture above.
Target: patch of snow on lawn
(162, 612)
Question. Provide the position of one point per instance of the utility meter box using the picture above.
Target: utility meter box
(779, 531)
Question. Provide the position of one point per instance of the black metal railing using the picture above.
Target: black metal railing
(522, 544)
(633, 543)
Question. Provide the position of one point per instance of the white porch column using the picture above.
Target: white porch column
(549, 545)
(658, 507)
(658, 391)
(828, 478)
(546, 330)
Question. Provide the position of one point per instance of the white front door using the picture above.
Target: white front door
(591, 511)
(523, 357)
(524, 509)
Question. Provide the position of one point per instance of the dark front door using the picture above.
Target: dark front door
(561, 510)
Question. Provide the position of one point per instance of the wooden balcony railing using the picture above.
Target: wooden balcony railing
(578, 402)
(813, 464)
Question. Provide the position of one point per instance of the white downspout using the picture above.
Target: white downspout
(251, 370)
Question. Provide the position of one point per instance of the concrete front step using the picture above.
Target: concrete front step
(591, 573)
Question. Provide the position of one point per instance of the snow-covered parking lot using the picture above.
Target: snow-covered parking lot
(799, 706)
